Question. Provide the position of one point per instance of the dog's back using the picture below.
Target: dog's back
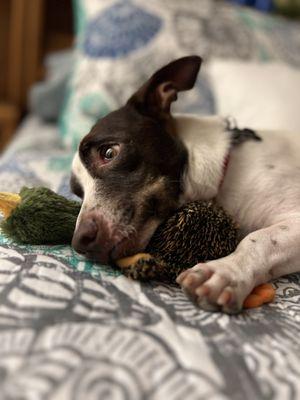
(262, 183)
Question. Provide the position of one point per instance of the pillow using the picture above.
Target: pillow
(45, 98)
(257, 95)
(120, 43)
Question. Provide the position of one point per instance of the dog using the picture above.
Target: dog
(140, 163)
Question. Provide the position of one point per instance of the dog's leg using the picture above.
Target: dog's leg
(265, 254)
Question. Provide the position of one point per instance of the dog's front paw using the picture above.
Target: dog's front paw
(216, 286)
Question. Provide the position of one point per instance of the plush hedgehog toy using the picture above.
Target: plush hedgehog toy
(197, 232)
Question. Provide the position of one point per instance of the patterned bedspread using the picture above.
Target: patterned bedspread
(71, 329)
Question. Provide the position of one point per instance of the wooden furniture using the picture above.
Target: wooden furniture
(9, 118)
(29, 29)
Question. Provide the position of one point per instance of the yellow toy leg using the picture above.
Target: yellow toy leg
(132, 260)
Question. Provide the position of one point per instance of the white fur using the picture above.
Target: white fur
(86, 181)
(207, 144)
(93, 198)
(261, 191)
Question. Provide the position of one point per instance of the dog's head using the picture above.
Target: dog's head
(128, 168)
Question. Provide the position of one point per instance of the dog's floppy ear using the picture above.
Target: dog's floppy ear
(157, 94)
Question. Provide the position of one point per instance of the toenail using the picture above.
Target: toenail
(181, 276)
(202, 291)
(188, 280)
(224, 298)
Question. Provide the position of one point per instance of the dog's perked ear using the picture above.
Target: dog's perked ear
(157, 94)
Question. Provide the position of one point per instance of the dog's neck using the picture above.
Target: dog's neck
(208, 145)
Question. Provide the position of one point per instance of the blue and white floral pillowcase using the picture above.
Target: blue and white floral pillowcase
(119, 45)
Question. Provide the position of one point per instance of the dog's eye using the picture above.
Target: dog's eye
(108, 153)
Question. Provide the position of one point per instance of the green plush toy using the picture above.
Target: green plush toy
(197, 232)
(38, 216)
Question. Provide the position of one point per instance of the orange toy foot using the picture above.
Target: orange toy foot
(260, 295)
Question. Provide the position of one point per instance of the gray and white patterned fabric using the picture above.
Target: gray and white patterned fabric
(74, 330)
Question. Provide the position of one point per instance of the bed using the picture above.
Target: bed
(73, 329)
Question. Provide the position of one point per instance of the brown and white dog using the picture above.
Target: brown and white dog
(139, 163)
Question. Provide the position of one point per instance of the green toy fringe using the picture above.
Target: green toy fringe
(42, 217)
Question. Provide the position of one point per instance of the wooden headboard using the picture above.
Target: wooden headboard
(29, 29)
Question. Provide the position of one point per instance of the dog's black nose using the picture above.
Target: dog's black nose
(85, 237)
(94, 236)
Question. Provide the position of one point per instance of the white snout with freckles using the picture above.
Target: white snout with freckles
(100, 233)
